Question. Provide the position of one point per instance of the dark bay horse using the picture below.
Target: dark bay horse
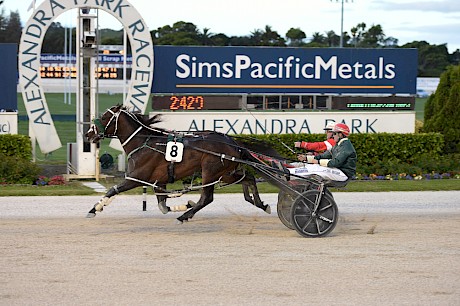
(145, 145)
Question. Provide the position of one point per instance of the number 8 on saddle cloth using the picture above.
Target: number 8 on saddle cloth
(174, 151)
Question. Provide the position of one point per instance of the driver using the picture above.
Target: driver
(319, 146)
(337, 164)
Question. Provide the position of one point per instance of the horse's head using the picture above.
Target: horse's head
(105, 125)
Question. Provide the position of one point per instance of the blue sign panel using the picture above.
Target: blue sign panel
(8, 77)
(238, 70)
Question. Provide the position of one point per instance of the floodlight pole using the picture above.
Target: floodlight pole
(341, 22)
(341, 27)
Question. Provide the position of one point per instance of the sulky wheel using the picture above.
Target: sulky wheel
(309, 222)
(285, 200)
(283, 208)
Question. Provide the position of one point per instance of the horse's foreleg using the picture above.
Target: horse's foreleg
(108, 197)
(162, 201)
(99, 206)
(162, 204)
(207, 196)
(165, 209)
(249, 185)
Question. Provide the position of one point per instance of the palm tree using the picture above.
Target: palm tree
(332, 39)
(205, 37)
(318, 38)
(256, 37)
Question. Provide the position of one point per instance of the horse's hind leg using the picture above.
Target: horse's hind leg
(108, 197)
(250, 186)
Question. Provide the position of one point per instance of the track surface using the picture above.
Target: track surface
(388, 248)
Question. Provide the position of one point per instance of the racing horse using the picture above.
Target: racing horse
(145, 146)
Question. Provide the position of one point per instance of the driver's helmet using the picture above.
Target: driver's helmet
(329, 127)
(342, 128)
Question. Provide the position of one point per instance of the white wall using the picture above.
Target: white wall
(9, 123)
(288, 122)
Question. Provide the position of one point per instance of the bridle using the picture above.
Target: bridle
(101, 128)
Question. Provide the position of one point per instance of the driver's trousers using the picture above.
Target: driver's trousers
(304, 169)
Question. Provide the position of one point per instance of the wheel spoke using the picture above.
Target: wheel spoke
(307, 224)
(303, 214)
(317, 226)
(326, 207)
(303, 202)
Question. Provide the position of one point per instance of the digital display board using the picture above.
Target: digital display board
(373, 103)
(196, 102)
(103, 73)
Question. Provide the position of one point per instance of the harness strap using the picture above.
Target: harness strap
(236, 182)
(145, 146)
(132, 135)
(154, 185)
(192, 188)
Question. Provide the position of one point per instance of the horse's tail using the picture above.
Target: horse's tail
(270, 164)
(255, 147)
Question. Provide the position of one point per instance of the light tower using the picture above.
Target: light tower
(341, 22)
(83, 156)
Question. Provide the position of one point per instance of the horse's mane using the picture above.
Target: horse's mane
(146, 120)
(143, 119)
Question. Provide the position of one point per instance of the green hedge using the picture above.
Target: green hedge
(16, 145)
(15, 160)
(370, 147)
(382, 153)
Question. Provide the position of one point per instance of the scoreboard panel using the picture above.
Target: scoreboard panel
(196, 102)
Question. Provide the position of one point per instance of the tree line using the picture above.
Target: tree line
(432, 61)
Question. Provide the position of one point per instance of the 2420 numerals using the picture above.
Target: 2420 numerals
(186, 102)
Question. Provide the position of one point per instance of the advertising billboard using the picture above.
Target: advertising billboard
(190, 69)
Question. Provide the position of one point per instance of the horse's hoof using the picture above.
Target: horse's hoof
(191, 203)
(90, 215)
(179, 222)
(164, 209)
(268, 209)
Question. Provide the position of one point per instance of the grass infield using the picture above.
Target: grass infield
(76, 188)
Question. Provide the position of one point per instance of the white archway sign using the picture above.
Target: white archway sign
(29, 61)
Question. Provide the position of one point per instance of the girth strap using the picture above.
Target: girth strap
(171, 176)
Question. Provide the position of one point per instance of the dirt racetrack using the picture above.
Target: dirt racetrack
(388, 249)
